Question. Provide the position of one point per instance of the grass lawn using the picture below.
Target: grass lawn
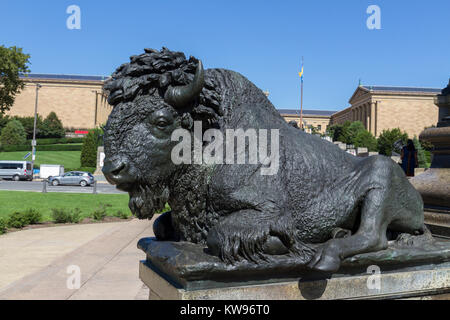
(69, 159)
(13, 201)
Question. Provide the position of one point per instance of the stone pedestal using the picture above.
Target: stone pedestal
(185, 271)
(429, 281)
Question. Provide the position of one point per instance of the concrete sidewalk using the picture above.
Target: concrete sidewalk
(33, 263)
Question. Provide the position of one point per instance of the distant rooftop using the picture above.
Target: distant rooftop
(63, 77)
(306, 112)
(402, 89)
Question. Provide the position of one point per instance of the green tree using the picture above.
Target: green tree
(339, 132)
(13, 62)
(353, 133)
(387, 139)
(365, 139)
(4, 119)
(91, 143)
(52, 127)
(28, 124)
(314, 130)
(352, 130)
(13, 134)
(421, 157)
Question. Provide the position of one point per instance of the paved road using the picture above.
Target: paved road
(36, 186)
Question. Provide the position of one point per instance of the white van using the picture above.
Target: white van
(16, 170)
(50, 170)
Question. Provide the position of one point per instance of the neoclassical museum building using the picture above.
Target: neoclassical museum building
(80, 103)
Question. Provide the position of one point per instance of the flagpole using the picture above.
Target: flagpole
(301, 101)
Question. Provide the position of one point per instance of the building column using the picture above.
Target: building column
(368, 117)
(364, 115)
(372, 118)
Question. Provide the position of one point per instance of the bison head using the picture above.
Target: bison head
(155, 94)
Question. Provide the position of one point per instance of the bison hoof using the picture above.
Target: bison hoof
(326, 258)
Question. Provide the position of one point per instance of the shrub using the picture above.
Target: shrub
(59, 147)
(100, 213)
(353, 130)
(50, 141)
(4, 119)
(365, 139)
(33, 216)
(17, 220)
(88, 156)
(28, 125)
(76, 215)
(87, 169)
(3, 226)
(428, 158)
(421, 157)
(84, 169)
(15, 148)
(387, 139)
(66, 216)
(122, 215)
(60, 216)
(13, 134)
(426, 145)
(338, 131)
(54, 147)
(52, 127)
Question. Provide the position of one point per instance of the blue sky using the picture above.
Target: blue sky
(263, 40)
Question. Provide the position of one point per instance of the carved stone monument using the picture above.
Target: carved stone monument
(434, 184)
(100, 160)
(285, 206)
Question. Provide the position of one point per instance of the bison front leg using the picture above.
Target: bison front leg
(371, 235)
(163, 228)
(254, 236)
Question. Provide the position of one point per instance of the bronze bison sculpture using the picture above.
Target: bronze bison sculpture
(318, 195)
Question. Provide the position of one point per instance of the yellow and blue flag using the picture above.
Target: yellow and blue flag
(301, 73)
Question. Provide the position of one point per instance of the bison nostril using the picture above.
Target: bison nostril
(111, 169)
(117, 171)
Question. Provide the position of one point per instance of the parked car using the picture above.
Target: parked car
(16, 170)
(77, 178)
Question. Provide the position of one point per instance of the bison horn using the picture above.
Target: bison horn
(180, 96)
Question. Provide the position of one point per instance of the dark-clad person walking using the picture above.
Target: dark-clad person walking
(409, 158)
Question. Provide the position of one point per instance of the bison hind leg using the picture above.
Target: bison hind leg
(233, 238)
(255, 236)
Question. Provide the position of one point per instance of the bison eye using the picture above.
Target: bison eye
(162, 123)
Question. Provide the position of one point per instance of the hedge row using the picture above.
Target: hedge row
(49, 141)
(84, 169)
(53, 147)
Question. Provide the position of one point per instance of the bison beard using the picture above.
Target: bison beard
(146, 200)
